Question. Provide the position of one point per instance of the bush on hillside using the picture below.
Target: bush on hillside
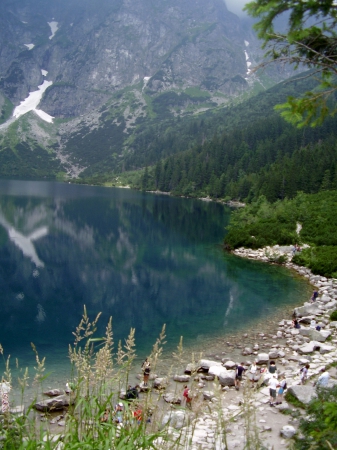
(320, 260)
(319, 427)
(333, 315)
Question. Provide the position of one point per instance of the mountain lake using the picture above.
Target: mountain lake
(144, 259)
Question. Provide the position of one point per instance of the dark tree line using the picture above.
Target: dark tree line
(270, 158)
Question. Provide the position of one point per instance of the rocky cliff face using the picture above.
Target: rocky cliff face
(93, 49)
(120, 72)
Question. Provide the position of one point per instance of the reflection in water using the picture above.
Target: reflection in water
(25, 243)
(145, 260)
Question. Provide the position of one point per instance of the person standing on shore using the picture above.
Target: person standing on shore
(187, 396)
(146, 368)
(282, 388)
(304, 373)
(314, 296)
(252, 372)
(238, 375)
(272, 389)
(323, 379)
(272, 368)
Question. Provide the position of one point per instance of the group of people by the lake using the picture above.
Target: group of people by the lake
(277, 385)
(124, 414)
(259, 377)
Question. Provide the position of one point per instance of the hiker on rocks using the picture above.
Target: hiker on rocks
(238, 375)
(314, 296)
(264, 377)
(138, 414)
(187, 396)
(146, 368)
(313, 324)
(323, 379)
(106, 415)
(119, 413)
(304, 373)
(273, 383)
(296, 324)
(132, 392)
(252, 373)
(282, 388)
(5, 389)
(272, 368)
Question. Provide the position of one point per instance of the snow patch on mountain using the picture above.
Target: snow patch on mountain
(32, 101)
(54, 27)
(248, 63)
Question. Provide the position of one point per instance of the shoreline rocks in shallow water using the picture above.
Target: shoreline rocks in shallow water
(286, 345)
(54, 403)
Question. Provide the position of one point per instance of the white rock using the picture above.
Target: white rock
(288, 431)
(262, 358)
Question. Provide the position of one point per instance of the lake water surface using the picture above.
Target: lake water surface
(143, 259)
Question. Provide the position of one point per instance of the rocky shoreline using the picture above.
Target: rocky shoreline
(216, 405)
(290, 348)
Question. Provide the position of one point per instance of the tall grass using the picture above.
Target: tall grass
(99, 378)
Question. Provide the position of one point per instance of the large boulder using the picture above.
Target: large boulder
(54, 392)
(303, 393)
(160, 383)
(176, 418)
(55, 403)
(217, 371)
(309, 347)
(169, 397)
(182, 378)
(247, 351)
(314, 335)
(205, 364)
(190, 368)
(307, 310)
(227, 378)
(325, 348)
(229, 365)
(208, 395)
(262, 358)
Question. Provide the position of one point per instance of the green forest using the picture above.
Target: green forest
(238, 153)
(263, 223)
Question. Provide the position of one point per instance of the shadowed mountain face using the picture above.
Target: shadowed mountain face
(93, 48)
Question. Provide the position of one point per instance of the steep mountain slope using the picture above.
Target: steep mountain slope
(91, 49)
(108, 70)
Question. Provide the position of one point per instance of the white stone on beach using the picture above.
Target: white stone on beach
(288, 431)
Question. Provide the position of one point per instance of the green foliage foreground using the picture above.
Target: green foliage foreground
(319, 428)
(262, 223)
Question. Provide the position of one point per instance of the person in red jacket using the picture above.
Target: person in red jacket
(187, 396)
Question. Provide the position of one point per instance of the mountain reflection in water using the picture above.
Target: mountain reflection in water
(143, 259)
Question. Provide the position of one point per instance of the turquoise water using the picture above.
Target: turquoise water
(143, 259)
